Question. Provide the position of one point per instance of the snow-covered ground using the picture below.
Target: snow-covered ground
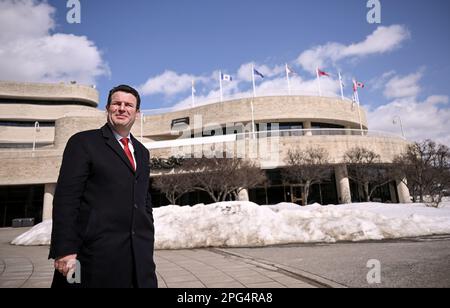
(235, 224)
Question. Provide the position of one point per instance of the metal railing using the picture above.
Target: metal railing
(326, 132)
(304, 133)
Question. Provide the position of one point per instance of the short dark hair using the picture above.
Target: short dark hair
(127, 89)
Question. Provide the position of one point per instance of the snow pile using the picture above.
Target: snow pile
(38, 235)
(237, 224)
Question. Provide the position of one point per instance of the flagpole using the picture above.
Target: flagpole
(220, 83)
(253, 79)
(193, 94)
(251, 102)
(359, 106)
(253, 118)
(318, 81)
(288, 81)
(359, 113)
(342, 87)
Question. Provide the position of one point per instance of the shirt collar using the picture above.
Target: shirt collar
(118, 137)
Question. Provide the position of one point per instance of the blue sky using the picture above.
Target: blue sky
(159, 46)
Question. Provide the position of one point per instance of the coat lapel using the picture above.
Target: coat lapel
(115, 146)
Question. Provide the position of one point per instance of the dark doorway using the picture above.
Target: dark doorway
(21, 202)
(297, 195)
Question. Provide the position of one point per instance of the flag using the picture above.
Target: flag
(193, 87)
(356, 85)
(226, 77)
(289, 70)
(322, 73)
(258, 73)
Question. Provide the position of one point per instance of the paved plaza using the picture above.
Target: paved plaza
(28, 267)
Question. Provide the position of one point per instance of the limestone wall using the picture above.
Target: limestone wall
(266, 109)
(270, 153)
(49, 92)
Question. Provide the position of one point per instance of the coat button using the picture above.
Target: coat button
(133, 233)
(135, 206)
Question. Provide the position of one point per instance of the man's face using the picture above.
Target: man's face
(122, 110)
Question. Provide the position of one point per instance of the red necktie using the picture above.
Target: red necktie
(127, 151)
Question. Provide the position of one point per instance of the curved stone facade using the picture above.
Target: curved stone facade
(71, 108)
(72, 93)
(28, 111)
(265, 109)
(68, 126)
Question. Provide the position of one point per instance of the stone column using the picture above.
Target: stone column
(403, 192)
(348, 132)
(343, 184)
(243, 195)
(307, 125)
(392, 192)
(48, 201)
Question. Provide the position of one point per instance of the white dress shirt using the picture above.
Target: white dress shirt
(130, 145)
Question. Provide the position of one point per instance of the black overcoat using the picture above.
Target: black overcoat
(102, 212)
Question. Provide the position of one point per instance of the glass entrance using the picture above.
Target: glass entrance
(297, 194)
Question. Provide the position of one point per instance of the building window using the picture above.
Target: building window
(27, 123)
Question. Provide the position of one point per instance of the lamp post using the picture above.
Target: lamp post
(36, 130)
(394, 121)
(142, 126)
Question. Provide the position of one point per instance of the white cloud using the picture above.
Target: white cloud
(421, 119)
(25, 19)
(382, 40)
(379, 83)
(229, 90)
(29, 52)
(300, 86)
(244, 72)
(407, 86)
(275, 86)
(437, 100)
(212, 97)
(170, 83)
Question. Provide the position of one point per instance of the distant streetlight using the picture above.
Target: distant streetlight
(394, 121)
(36, 130)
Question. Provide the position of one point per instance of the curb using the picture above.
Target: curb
(302, 275)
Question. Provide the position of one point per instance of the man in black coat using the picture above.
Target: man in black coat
(102, 213)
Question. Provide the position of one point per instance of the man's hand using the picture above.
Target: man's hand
(66, 264)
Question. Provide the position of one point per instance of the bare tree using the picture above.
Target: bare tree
(248, 176)
(365, 168)
(307, 167)
(173, 186)
(425, 169)
(222, 177)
